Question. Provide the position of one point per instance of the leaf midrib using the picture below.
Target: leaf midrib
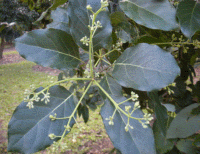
(53, 51)
(144, 9)
(44, 117)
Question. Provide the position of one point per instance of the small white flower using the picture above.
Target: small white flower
(127, 108)
(92, 16)
(52, 136)
(104, 3)
(110, 120)
(68, 128)
(126, 128)
(53, 117)
(36, 98)
(137, 105)
(85, 40)
(89, 7)
(30, 104)
(46, 98)
(144, 126)
(98, 24)
(134, 96)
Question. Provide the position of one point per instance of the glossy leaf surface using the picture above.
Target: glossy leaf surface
(145, 67)
(152, 14)
(28, 129)
(80, 19)
(137, 140)
(188, 13)
(185, 124)
(49, 47)
(60, 20)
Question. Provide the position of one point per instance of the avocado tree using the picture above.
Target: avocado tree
(15, 19)
(134, 58)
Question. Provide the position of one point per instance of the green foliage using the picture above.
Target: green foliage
(131, 135)
(184, 124)
(49, 44)
(143, 67)
(37, 124)
(156, 15)
(189, 17)
(161, 124)
(122, 58)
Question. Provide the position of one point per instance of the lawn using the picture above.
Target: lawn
(14, 79)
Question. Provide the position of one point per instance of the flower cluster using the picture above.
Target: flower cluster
(104, 3)
(127, 108)
(52, 136)
(30, 97)
(134, 96)
(117, 46)
(110, 120)
(127, 127)
(147, 118)
(68, 128)
(53, 117)
(196, 43)
(46, 97)
(85, 40)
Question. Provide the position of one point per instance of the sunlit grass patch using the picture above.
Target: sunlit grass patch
(10, 52)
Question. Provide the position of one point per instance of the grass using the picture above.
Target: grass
(10, 53)
(15, 78)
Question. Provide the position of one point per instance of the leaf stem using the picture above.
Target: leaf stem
(125, 101)
(92, 32)
(72, 115)
(115, 103)
(171, 43)
(61, 81)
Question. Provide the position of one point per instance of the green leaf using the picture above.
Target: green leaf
(160, 125)
(137, 140)
(58, 3)
(197, 141)
(28, 129)
(49, 47)
(162, 143)
(84, 111)
(160, 112)
(152, 14)
(111, 87)
(80, 19)
(185, 145)
(188, 14)
(185, 124)
(125, 30)
(60, 20)
(145, 67)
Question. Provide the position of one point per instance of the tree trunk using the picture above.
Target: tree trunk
(2, 47)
